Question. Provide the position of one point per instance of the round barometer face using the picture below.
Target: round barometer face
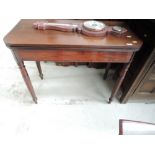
(94, 25)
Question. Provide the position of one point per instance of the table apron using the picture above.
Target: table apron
(73, 56)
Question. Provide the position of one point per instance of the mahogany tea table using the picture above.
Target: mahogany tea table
(30, 44)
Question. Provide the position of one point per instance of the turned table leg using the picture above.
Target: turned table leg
(39, 69)
(27, 80)
(106, 71)
(119, 81)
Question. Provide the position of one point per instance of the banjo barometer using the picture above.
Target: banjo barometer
(89, 28)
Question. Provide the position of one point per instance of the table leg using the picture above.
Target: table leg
(39, 69)
(119, 81)
(27, 80)
(106, 71)
(118, 67)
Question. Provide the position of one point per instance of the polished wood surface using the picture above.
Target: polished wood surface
(29, 44)
(74, 56)
(24, 35)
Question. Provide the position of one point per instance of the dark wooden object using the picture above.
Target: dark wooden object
(39, 69)
(132, 127)
(139, 83)
(107, 70)
(29, 44)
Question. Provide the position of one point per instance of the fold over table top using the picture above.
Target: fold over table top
(24, 35)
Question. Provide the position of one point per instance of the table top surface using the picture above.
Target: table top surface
(24, 35)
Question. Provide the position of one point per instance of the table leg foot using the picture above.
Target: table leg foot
(41, 76)
(39, 69)
(35, 100)
(110, 100)
(27, 79)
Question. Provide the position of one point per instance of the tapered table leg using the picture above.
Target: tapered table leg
(106, 71)
(39, 69)
(119, 81)
(27, 80)
(118, 67)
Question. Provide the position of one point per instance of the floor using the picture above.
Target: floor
(70, 100)
(72, 115)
